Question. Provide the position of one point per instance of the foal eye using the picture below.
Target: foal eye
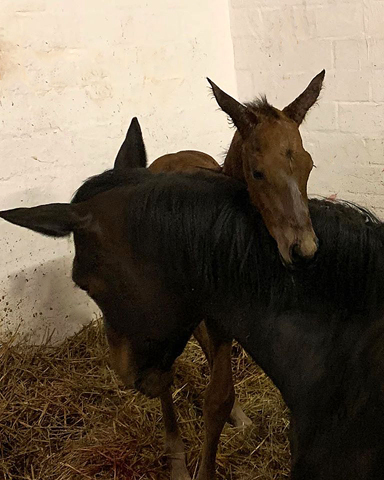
(257, 175)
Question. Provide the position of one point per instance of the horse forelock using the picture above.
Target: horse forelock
(263, 107)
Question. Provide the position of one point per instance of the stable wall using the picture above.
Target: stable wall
(280, 45)
(72, 74)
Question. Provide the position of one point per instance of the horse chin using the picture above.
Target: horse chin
(154, 383)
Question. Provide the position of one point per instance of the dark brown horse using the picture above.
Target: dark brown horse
(317, 332)
(268, 154)
(217, 353)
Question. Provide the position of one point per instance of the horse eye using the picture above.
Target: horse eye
(257, 175)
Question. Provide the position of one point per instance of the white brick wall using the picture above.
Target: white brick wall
(72, 74)
(279, 46)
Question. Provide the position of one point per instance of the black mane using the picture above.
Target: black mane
(220, 242)
(106, 181)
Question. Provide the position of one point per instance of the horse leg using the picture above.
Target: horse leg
(218, 401)
(174, 446)
(237, 417)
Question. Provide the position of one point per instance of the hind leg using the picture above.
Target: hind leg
(237, 417)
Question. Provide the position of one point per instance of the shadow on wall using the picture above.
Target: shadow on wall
(42, 300)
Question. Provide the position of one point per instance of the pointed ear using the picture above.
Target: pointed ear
(241, 116)
(298, 108)
(132, 152)
(54, 219)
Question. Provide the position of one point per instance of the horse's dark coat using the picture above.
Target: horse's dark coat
(226, 247)
(161, 252)
(317, 332)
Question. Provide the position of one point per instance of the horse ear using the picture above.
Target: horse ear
(241, 116)
(132, 152)
(54, 219)
(299, 107)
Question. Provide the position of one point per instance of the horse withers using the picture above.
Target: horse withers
(185, 161)
(317, 332)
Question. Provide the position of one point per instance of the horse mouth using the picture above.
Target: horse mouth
(154, 383)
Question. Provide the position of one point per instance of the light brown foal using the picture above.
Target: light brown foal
(267, 153)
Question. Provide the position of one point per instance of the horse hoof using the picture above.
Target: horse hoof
(238, 418)
(180, 473)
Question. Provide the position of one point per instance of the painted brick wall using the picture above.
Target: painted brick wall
(72, 74)
(279, 46)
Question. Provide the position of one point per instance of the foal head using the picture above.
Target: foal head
(268, 154)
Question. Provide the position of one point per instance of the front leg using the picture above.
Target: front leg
(237, 417)
(174, 446)
(218, 402)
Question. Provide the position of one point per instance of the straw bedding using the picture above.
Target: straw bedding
(64, 416)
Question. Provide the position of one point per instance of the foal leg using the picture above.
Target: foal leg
(237, 417)
(218, 401)
(174, 447)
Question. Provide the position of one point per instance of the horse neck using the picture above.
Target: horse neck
(233, 164)
(311, 368)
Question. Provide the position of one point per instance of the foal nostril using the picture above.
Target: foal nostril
(297, 257)
(295, 253)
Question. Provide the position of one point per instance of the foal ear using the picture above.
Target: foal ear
(132, 152)
(53, 219)
(298, 108)
(241, 116)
